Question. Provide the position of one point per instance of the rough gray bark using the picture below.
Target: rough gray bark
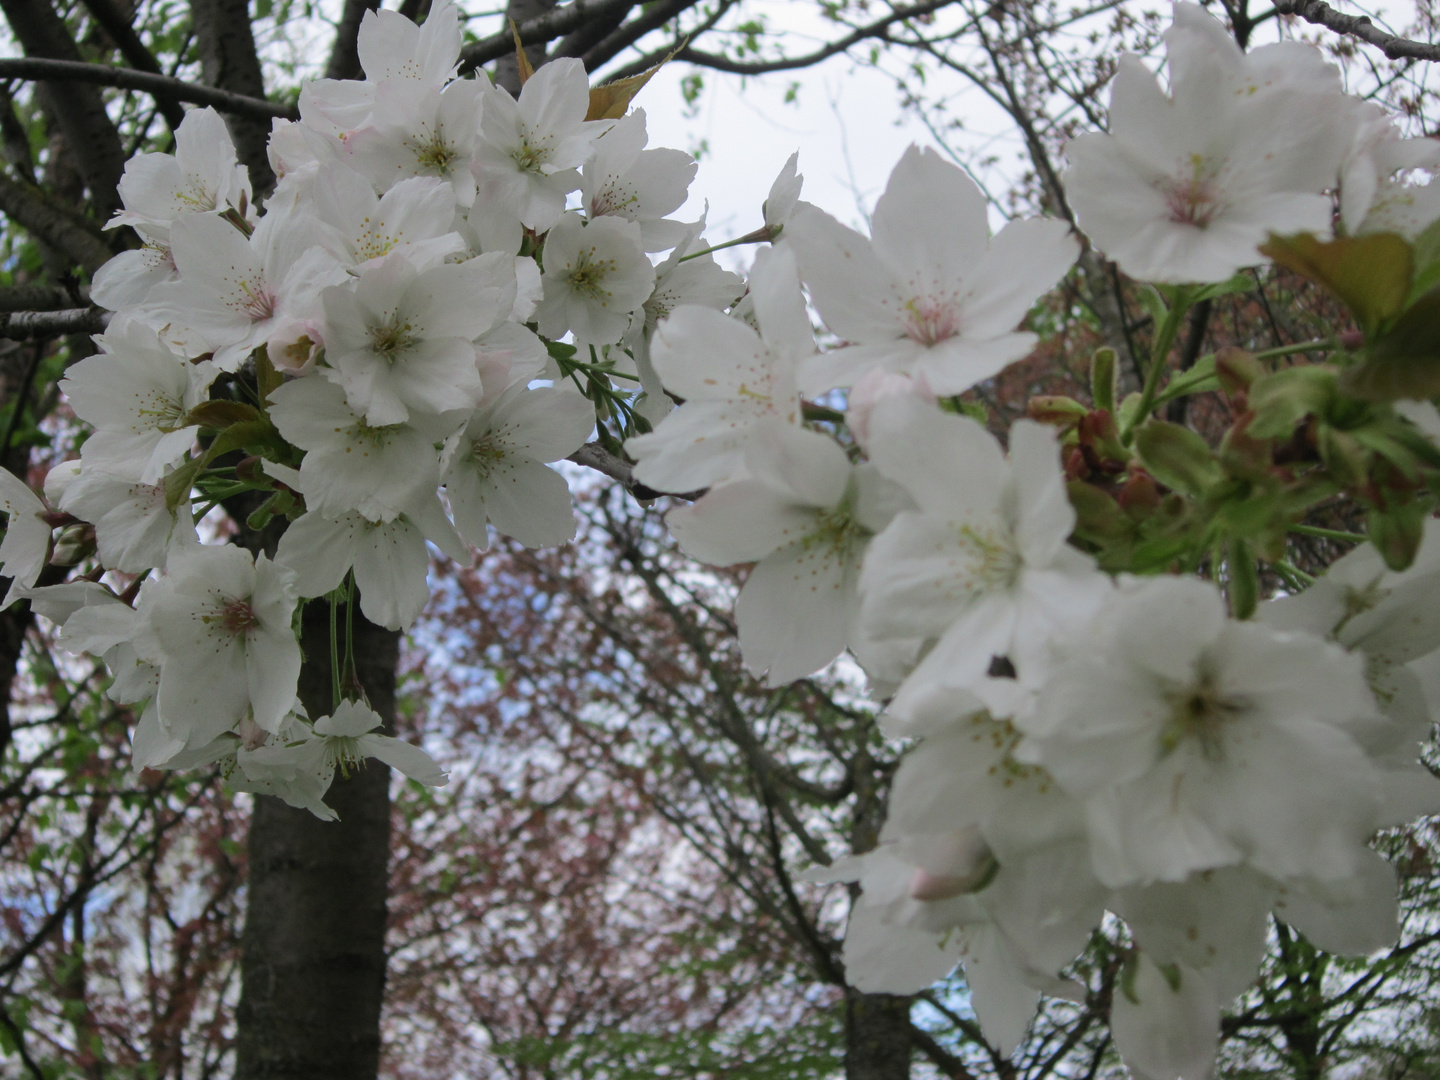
(877, 1036)
(52, 222)
(313, 949)
(75, 110)
(344, 55)
(228, 60)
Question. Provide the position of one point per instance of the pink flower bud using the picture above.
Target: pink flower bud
(295, 346)
(875, 386)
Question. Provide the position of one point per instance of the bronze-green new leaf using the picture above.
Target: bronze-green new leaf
(1368, 274)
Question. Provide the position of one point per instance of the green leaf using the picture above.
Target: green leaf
(1405, 361)
(1283, 398)
(1154, 303)
(1241, 282)
(1178, 457)
(222, 414)
(1103, 379)
(1200, 379)
(1369, 274)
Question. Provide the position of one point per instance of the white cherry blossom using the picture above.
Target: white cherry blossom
(733, 379)
(495, 468)
(930, 293)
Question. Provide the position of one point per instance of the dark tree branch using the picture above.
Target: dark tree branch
(75, 111)
(1359, 26)
(41, 298)
(580, 41)
(789, 63)
(53, 223)
(611, 45)
(118, 26)
(941, 1058)
(594, 456)
(344, 54)
(158, 86)
(540, 30)
(228, 60)
(25, 325)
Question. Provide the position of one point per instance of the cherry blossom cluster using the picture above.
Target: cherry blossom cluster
(1098, 728)
(373, 355)
(451, 287)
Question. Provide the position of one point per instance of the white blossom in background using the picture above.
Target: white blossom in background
(26, 546)
(929, 294)
(496, 472)
(1197, 742)
(733, 379)
(981, 565)
(137, 393)
(532, 148)
(218, 626)
(402, 341)
(596, 279)
(805, 516)
(1186, 185)
(625, 180)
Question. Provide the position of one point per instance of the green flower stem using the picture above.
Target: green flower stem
(1329, 534)
(1294, 574)
(759, 236)
(1164, 340)
(1327, 345)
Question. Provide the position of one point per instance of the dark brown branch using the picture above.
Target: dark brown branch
(941, 1058)
(344, 54)
(116, 23)
(75, 111)
(605, 48)
(1359, 26)
(24, 325)
(146, 82)
(539, 30)
(41, 298)
(789, 63)
(229, 61)
(53, 223)
(594, 456)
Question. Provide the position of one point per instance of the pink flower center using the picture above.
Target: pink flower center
(259, 304)
(238, 618)
(1193, 200)
(930, 321)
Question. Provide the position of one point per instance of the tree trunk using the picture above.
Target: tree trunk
(313, 950)
(228, 60)
(877, 1036)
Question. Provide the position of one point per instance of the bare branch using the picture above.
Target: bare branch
(75, 111)
(229, 61)
(53, 223)
(118, 26)
(602, 47)
(41, 298)
(594, 456)
(1360, 26)
(31, 67)
(23, 325)
(789, 63)
(539, 30)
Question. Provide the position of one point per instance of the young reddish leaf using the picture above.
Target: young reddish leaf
(1369, 274)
